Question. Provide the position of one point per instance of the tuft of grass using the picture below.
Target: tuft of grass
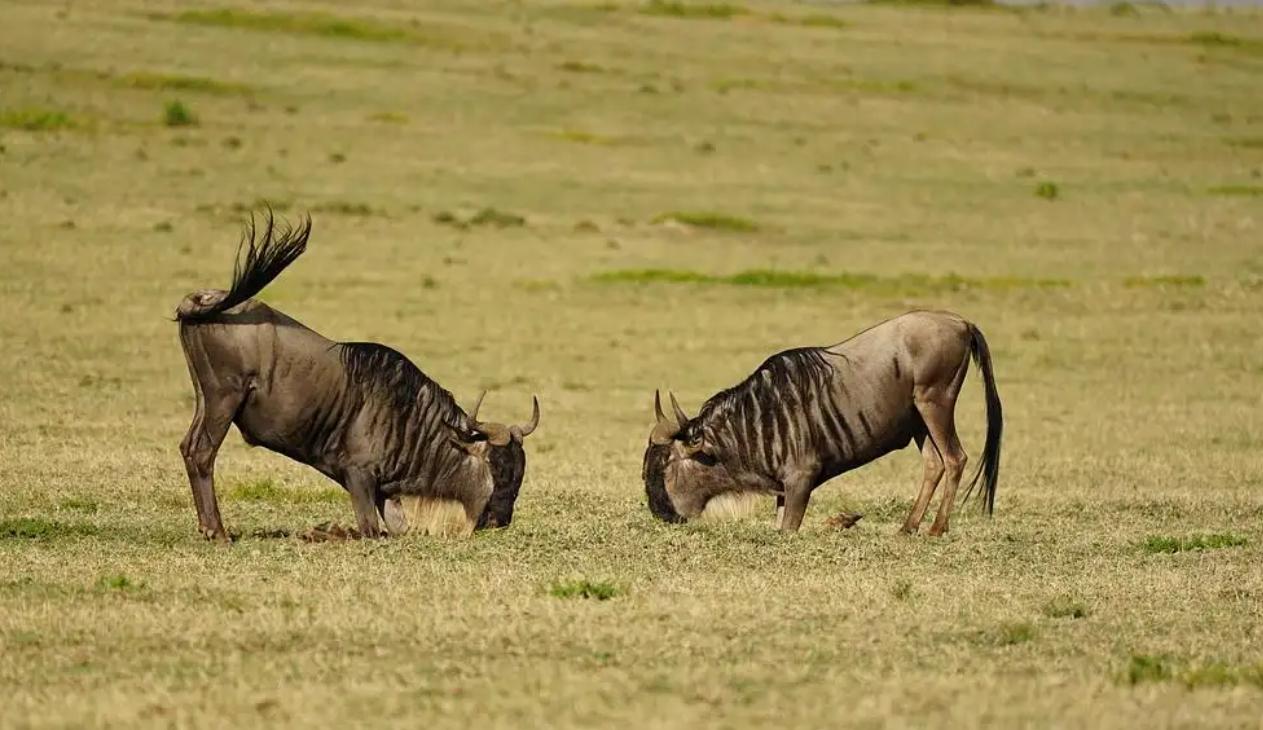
(79, 504)
(1147, 668)
(937, 3)
(584, 137)
(1170, 280)
(35, 119)
(584, 588)
(309, 23)
(267, 491)
(497, 218)
(1144, 668)
(342, 207)
(1014, 633)
(675, 9)
(902, 589)
(177, 82)
(1047, 190)
(773, 279)
(1249, 191)
(580, 67)
(1123, 8)
(1246, 142)
(37, 528)
(118, 582)
(815, 20)
(388, 117)
(176, 114)
(1158, 544)
(709, 219)
(1065, 607)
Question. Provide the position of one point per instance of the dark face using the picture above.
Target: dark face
(508, 466)
(680, 481)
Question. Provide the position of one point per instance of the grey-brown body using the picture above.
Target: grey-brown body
(360, 413)
(810, 414)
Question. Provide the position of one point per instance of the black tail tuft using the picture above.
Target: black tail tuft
(989, 469)
(266, 254)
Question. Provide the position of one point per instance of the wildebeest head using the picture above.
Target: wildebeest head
(681, 472)
(501, 446)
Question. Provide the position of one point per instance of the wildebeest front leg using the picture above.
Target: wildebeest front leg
(363, 489)
(797, 489)
(780, 510)
(210, 425)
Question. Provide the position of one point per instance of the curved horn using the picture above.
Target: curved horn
(679, 412)
(657, 407)
(528, 429)
(473, 415)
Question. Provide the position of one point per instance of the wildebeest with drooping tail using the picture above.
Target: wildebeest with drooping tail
(358, 412)
(809, 414)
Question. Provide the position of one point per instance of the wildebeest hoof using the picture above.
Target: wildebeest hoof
(844, 520)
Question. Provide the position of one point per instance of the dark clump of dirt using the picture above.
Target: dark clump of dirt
(844, 520)
(329, 532)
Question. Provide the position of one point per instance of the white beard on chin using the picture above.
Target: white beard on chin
(410, 515)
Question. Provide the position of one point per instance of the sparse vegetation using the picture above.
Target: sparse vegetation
(1047, 190)
(176, 114)
(1148, 668)
(1065, 607)
(709, 219)
(177, 82)
(693, 10)
(268, 491)
(35, 119)
(768, 278)
(1166, 544)
(583, 588)
(1169, 280)
(37, 528)
(1248, 191)
(310, 23)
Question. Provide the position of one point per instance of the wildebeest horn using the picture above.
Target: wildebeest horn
(473, 415)
(679, 412)
(665, 429)
(521, 432)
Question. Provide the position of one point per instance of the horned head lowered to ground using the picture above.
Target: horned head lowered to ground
(502, 446)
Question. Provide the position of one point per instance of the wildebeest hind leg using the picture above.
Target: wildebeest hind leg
(929, 482)
(201, 444)
(941, 423)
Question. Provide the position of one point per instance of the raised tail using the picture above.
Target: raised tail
(261, 256)
(989, 469)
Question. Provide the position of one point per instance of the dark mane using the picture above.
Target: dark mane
(782, 373)
(388, 373)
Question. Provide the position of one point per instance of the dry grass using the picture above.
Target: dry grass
(887, 161)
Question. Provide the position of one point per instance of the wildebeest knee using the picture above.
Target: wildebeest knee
(955, 463)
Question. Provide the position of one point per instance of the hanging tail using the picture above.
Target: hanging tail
(261, 256)
(989, 469)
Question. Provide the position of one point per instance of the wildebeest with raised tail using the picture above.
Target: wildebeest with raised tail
(809, 414)
(358, 412)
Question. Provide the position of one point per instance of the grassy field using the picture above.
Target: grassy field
(588, 201)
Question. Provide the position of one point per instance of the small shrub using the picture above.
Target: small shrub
(709, 219)
(35, 120)
(497, 218)
(1047, 190)
(583, 588)
(1147, 668)
(1064, 607)
(176, 114)
(1163, 544)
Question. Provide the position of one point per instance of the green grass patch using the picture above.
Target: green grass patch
(580, 136)
(1251, 143)
(580, 67)
(268, 491)
(1147, 668)
(583, 588)
(1159, 544)
(35, 119)
(37, 528)
(1248, 191)
(342, 207)
(1213, 39)
(119, 582)
(695, 11)
(310, 23)
(1164, 281)
(709, 219)
(176, 114)
(176, 82)
(1047, 190)
(773, 279)
(388, 117)
(79, 504)
(937, 3)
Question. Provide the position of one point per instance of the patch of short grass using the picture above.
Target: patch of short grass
(176, 114)
(1167, 280)
(581, 136)
(35, 119)
(1215, 39)
(388, 117)
(1047, 190)
(580, 67)
(709, 219)
(1249, 191)
(38, 528)
(1158, 544)
(307, 23)
(86, 505)
(178, 82)
(937, 3)
(342, 207)
(119, 582)
(488, 216)
(1147, 668)
(696, 11)
(774, 279)
(599, 590)
(814, 20)
(269, 491)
